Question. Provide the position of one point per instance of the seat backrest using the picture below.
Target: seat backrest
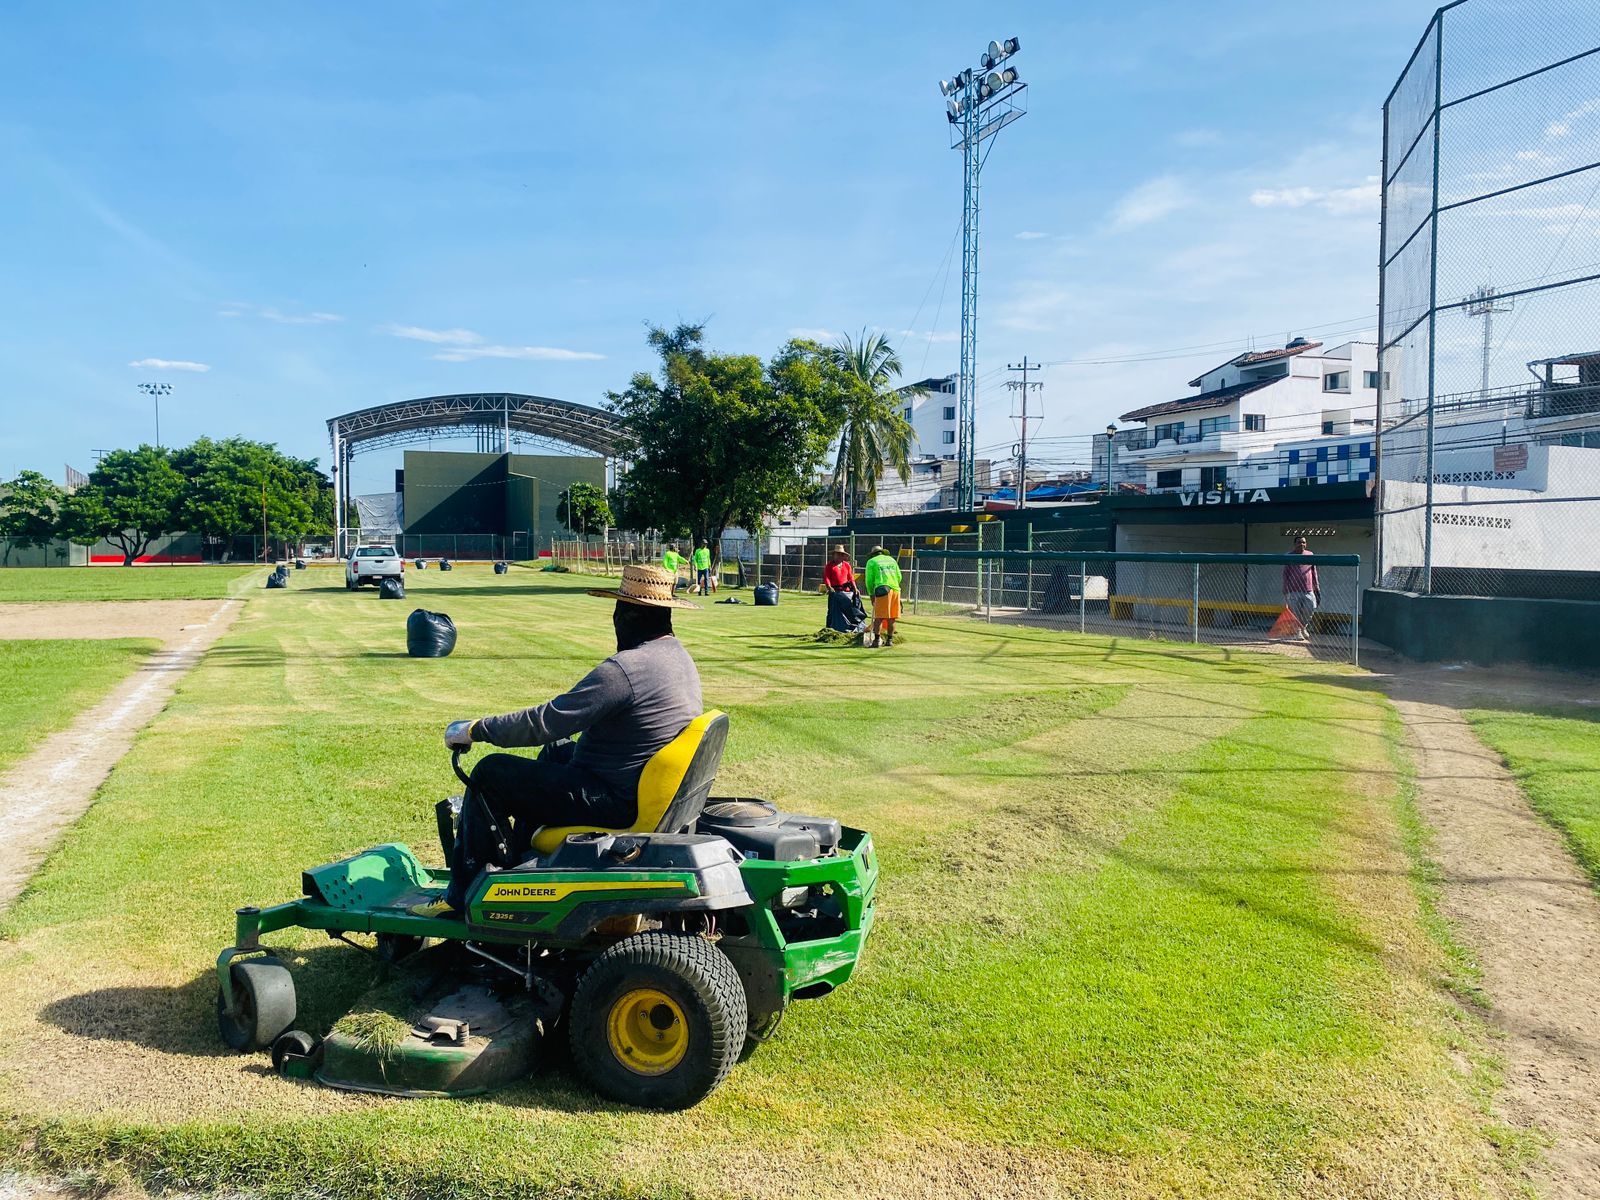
(678, 778)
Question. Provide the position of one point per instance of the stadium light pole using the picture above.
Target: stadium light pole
(1111, 449)
(978, 104)
(155, 391)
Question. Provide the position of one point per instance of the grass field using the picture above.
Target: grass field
(1148, 924)
(45, 684)
(1555, 755)
(126, 583)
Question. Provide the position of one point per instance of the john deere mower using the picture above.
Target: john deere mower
(666, 951)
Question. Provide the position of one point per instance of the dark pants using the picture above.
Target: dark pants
(704, 580)
(524, 794)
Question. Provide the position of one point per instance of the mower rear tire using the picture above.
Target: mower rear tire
(658, 1020)
(263, 1004)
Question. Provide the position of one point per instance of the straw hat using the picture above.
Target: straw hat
(841, 550)
(649, 586)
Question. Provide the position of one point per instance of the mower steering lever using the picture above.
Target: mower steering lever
(455, 765)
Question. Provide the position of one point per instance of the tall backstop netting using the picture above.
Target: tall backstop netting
(1489, 306)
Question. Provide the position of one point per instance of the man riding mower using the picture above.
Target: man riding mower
(668, 932)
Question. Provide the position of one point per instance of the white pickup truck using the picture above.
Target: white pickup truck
(372, 564)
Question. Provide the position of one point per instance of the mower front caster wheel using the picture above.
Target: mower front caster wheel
(263, 1004)
(658, 1020)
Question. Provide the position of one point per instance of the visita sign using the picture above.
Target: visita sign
(1195, 499)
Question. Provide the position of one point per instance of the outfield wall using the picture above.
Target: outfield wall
(1484, 629)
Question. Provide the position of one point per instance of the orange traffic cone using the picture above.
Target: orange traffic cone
(1286, 626)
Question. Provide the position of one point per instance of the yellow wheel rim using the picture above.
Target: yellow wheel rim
(647, 1032)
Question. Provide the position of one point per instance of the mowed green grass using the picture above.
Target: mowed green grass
(39, 584)
(45, 684)
(1146, 923)
(1555, 755)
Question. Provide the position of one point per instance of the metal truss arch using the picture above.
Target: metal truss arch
(497, 419)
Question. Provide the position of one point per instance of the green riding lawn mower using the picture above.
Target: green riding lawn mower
(667, 951)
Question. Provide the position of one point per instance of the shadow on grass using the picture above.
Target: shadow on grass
(182, 1019)
(1467, 690)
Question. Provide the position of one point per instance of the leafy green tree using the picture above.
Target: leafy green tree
(132, 498)
(875, 435)
(29, 511)
(240, 487)
(722, 439)
(583, 508)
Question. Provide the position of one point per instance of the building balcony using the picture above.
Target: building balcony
(1144, 448)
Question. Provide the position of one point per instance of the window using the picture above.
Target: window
(948, 437)
(949, 412)
(1173, 432)
(1344, 451)
(1173, 478)
(1336, 381)
(1327, 427)
(908, 414)
(1369, 379)
(1213, 479)
(1255, 422)
(1209, 425)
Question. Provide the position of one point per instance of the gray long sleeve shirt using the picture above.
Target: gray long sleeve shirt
(627, 708)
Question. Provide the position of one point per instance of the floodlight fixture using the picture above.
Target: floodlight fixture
(978, 105)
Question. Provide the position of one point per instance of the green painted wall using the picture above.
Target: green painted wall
(466, 493)
(1484, 629)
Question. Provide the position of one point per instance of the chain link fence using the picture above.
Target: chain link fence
(1489, 306)
(1256, 601)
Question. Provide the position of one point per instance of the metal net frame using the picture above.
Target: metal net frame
(1489, 306)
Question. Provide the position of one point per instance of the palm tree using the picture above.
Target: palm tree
(876, 434)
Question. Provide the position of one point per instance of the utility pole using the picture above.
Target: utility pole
(978, 104)
(1022, 387)
(1485, 303)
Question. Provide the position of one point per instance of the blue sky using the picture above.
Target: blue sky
(333, 205)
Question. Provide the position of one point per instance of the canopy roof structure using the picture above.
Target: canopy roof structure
(496, 419)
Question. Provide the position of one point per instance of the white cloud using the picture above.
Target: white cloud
(539, 353)
(813, 335)
(169, 364)
(466, 345)
(239, 308)
(1150, 201)
(1562, 126)
(1029, 235)
(440, 337)
(1340, 201)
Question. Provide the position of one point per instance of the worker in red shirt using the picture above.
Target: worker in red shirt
(845, 612)
(1302, 592)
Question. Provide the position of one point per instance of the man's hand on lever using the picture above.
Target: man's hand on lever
(458, 735)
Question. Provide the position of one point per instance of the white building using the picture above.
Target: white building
(1248, 407)
(933, 418)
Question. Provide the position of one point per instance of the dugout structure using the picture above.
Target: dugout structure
(498, 421)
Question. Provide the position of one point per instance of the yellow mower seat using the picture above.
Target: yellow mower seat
(672, 789)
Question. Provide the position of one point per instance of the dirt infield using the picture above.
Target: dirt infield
(1521, 904)
(41, 796)
(164, 619)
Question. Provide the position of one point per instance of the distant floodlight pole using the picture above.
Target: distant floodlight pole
(1485, 303)
(978, 104)
(155, 391)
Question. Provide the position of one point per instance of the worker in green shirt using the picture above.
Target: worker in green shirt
(673, 562)
(883, 585)
(702, 568)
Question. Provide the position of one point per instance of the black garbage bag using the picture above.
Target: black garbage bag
(444, 564)
(277, 580)
(500, 568)
(421, 564)
(299, 564)
(429, 634)
(766, 595)
(391, 587)
(845, 613)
